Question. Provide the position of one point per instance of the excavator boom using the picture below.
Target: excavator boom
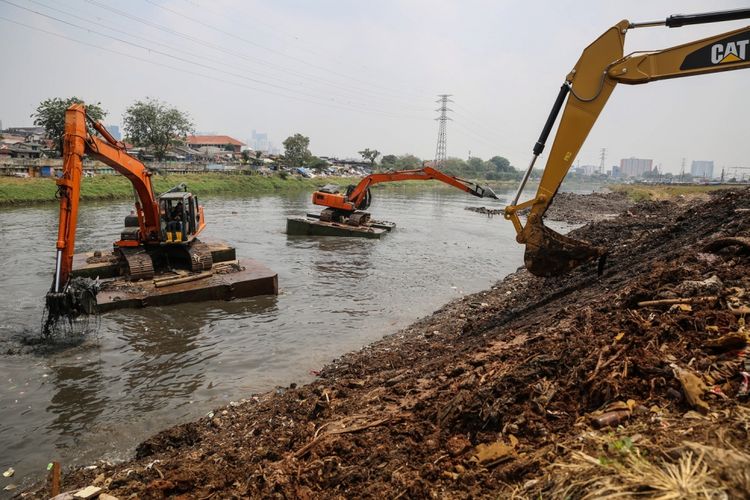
(584, 94)
(166, 225)
(357, 197)
(76, 143)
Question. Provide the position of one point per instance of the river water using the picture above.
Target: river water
(147, 369)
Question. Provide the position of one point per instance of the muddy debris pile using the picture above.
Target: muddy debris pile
(580, 208)
(580, 386)
(575, 208)
(489, 212)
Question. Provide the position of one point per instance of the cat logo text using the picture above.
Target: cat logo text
(729, 52)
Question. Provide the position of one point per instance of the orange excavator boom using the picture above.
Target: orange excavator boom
(357, 198)
(77, 142)
(165, 233)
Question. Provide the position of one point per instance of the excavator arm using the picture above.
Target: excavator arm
(587, 88)
(358, 198)
(77, 141)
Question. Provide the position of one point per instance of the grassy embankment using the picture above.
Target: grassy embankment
(640, 192)
(15, 190)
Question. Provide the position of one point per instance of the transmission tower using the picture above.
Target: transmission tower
(602, 158)
(440, 151)
(682, 171)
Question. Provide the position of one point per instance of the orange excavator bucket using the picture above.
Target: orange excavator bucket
(549, 253)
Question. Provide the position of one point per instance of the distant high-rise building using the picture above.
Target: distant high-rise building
(259, 141)
(590, 169)
(702, 168)
(115, 131)
(635, 167)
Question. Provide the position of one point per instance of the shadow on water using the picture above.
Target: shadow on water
(336, 260)
(79, 397)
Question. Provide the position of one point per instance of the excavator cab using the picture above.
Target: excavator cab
(180, 216)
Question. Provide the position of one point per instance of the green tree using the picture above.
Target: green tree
(370, 155)
(454, 166)
(318, 164)
(406, 162)
(156, 125)
(389, 161)
(50, 114)
(296, 152)
(476, 166)
(501, 164)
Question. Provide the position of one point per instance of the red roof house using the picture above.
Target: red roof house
(217, 141)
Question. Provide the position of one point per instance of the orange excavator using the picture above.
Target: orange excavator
(349, 208)
(161, 233)
(587, 87)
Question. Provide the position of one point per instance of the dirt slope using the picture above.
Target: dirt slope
(552, 387)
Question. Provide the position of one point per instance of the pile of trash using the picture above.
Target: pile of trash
(632, 383)
(489, 212)
(581, 209)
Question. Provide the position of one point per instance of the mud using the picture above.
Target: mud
(575, 208)
(544, 387)
(579, 208)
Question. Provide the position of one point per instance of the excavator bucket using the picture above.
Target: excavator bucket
(549, 253)
(482, 191)
(77, 299)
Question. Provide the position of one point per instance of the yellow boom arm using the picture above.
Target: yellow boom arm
(587, 88)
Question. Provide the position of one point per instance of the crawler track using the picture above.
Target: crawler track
(200, 257)
(137, 264)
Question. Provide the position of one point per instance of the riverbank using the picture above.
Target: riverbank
(573, 386)
(109, 187)
(655, 192)
(20, 191)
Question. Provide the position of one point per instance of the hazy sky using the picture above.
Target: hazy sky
(355, 74)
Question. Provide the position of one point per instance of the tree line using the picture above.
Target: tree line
(150, 123)
(297, 154)
(157, 126)
(496, 168)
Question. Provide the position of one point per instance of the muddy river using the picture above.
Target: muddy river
(151, 368)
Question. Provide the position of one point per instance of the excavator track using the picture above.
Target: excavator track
(200, 257)
(137, 264)
(328, 215)
(358, 218)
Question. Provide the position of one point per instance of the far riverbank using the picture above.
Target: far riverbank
(110, 187)
(17, 191)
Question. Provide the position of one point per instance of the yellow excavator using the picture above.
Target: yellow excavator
(587, 88)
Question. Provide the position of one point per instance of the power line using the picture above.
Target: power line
(471, 115)
(185, 60)
(305, 45)
(461, 128)
(264, 47)
(182, 70)
(191, 56)
(475, 132)
(217, 47)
